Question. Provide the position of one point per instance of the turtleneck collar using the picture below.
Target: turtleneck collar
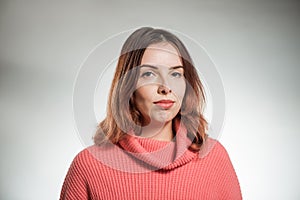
(157, 154)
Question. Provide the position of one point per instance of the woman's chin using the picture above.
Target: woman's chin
(162, 118)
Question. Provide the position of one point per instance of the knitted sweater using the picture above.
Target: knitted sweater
(143, 168)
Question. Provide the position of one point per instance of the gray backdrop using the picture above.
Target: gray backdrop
(255, 45)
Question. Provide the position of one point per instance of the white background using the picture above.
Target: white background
(255, 45)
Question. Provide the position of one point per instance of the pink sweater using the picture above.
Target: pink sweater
(141, 168)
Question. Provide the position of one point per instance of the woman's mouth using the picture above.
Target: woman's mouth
(165, 104)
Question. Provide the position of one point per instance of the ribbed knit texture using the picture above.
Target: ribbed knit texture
(141, 173)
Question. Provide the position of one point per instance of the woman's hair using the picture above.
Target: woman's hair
(122, 115)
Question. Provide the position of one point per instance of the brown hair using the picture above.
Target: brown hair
(122, 116)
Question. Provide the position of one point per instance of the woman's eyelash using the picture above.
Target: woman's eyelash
(176, 74)
(147, 74)
(150, 73)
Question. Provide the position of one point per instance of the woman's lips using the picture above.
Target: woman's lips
(165, 104)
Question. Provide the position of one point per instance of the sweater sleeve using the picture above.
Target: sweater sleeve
(229, 187)
(75, 185)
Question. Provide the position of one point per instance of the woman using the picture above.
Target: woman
(153, 142)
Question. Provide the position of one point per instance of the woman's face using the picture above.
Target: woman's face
(161, 84)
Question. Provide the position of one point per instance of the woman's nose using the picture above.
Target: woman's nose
(163, 89)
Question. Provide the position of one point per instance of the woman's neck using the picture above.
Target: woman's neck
(158, 131)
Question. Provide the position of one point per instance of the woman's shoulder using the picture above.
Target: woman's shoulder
(83, 157)
(213, 148)
(96, 156)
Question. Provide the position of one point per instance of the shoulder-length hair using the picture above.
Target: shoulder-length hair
(122, 115)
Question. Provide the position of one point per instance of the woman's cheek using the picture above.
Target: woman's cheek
(179, 90)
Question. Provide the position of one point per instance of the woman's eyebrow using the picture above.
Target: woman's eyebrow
(176, 67)
(155, 67)
(150, 66)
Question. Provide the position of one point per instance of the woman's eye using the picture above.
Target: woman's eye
(176, 74)
(147, 74)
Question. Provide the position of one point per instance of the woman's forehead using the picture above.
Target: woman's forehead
(161, 54)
